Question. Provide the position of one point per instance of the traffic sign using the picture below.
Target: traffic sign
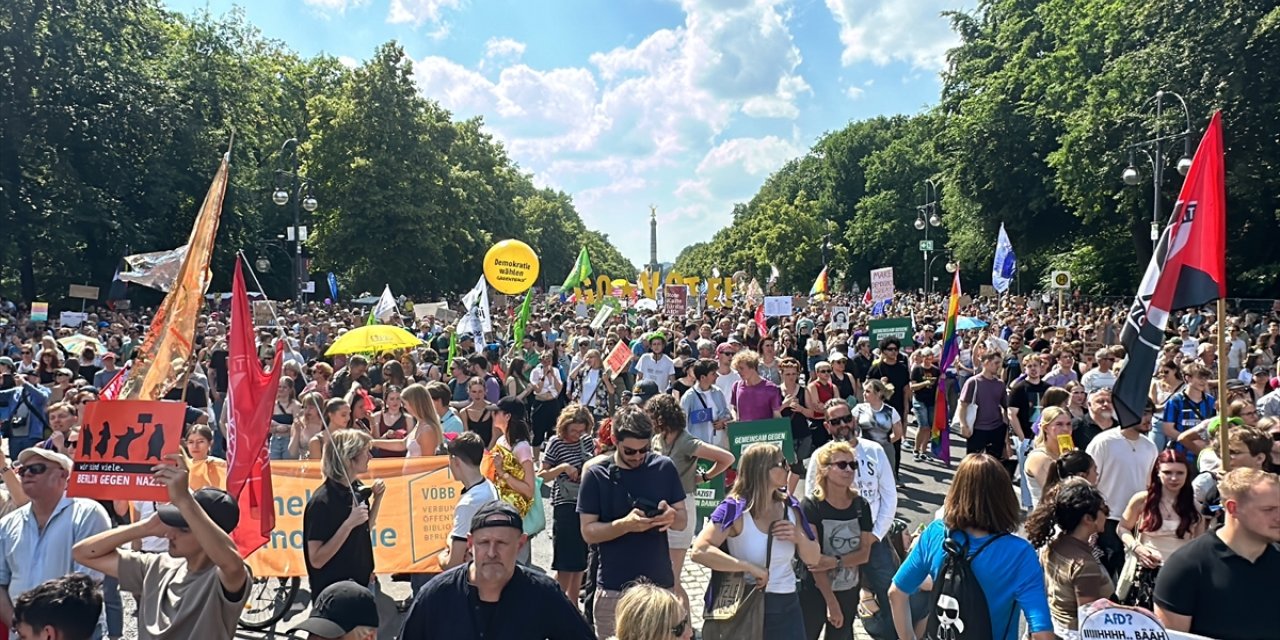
(926, 245)
(1061, 279)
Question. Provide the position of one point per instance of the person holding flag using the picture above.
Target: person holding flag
(1005, 264)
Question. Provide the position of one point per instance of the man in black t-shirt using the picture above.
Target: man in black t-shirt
(1024, 411)
(1221, 585)
(892, 368)
(1101, 416)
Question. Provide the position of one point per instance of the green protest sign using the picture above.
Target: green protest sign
(899, 328)
(708, 495)
(774, 431)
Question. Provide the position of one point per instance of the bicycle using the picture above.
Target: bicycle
(270, 598)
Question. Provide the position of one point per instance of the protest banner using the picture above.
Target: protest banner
(675, 300)
(840, 318)
(775, 306)
(618, 358)
(39, 311)
(120, 441)
(899, 328)
(707, 496)
(774, 431)
(72, 318)
(602, 315)
(413, 523)
(882, 284)
(1104, 619)
(264, 313)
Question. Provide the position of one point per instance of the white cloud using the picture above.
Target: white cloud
(855, 93)
(502, 49)
(416, 12)
(883, 31)
(754, 156)
(348, 62)
(334, 6)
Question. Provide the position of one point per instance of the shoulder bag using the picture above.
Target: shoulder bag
(735, 607)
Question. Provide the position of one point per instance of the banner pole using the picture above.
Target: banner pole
(1223, 426)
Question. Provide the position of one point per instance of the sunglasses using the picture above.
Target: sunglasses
(1275, 435)
(781, 464)
(824, 371)
(679, 629)
(628, 451)
(838, 420)
(33, 469)
(843, 465)
(890, 349)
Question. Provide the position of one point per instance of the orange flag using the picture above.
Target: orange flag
(167, 347)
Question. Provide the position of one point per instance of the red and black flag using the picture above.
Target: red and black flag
(1187, 270)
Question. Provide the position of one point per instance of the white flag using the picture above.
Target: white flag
(386, 306)
(477, 320)
(773, 273)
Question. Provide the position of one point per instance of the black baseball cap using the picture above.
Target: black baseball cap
(339, 609)
(217, 503)
(644, 390)
(497, 513)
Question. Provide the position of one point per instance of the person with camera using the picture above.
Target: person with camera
(28, 405)
(626, 506)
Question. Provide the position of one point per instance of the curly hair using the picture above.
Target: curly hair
(668, 417)
(1065, 508)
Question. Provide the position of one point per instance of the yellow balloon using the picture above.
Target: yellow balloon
(511, 266)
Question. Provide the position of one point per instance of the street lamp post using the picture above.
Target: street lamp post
(927, 216)
(1156, 150)
(299, 193)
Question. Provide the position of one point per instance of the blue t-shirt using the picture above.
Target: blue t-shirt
(1008, 571)
(608, 491)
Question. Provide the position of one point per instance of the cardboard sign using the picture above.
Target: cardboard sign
(840, 318)
(120, 441)
(82, 291)
(987, 291)
(413, 524)
(899, 328)
(618, 358)
(773, 431)
(777, 306)
(675, 300)
(263, 313)
(39, 311)
(601, 316)
(882, 284)
(72, 318)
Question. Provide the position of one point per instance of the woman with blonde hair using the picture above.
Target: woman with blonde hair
(842, 519)
(759, 525)
(340, 514)
(1055, 424)
(426, 436)
(309, 424)
(648, 612)
(878, 420)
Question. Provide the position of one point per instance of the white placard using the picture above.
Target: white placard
(1121, 623)
(840, 318)
(72, 318)
(580, 310)
(601, 316)
(882, 284)
(777, 306)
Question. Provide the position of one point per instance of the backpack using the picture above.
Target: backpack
(959, 604)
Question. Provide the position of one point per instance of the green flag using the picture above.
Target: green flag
(372, 319)
(453, 347)
(523, 317)
(580, 273)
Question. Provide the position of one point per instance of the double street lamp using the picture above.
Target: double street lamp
(1156, 149)
(292, 186)
(927, 216)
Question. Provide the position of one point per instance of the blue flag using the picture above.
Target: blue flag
(879, 308)
(1005, 263)
(333, 286)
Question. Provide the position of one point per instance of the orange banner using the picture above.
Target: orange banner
(120, 441)
(413, 522)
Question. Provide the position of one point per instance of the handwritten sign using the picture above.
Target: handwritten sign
(120, 441)
(777, 306)
(618, 358)
(882, 284)
(1110, 621)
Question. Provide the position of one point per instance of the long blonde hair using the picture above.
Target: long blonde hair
(648, 612)
(417, 401)
(824, 456)
(753, 485)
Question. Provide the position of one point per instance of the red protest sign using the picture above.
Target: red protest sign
(120, 441)
(618, 358)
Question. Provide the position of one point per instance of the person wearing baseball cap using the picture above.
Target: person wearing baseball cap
(196, 590)
(492, 595)
(343, 611)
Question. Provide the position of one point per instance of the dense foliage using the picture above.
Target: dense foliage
(1039, 104)
(113, 115)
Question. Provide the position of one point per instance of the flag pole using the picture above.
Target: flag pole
(1224, 452)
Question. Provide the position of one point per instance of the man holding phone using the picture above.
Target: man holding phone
(627, 504)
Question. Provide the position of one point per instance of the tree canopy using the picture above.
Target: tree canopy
(1039, 104)
(114, 114)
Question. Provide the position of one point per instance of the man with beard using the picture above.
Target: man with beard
(493, 596)
(1101, 417)
(876, 485)
(1124, 458)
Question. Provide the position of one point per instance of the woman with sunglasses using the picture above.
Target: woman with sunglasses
(1063, 527)
(761, 525)
(1167, 381)
(842, 520)
(646, 612)
(816, 395)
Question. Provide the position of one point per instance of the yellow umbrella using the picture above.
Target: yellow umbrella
(373, 338)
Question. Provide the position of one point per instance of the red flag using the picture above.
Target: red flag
(760, 323)
(111, 390)
(250, 393)
(1189, 269)
(866, 298)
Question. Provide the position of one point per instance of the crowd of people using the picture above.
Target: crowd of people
(1056, 502)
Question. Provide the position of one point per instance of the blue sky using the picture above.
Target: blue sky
(684, 104)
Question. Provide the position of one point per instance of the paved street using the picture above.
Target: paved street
(921, 493)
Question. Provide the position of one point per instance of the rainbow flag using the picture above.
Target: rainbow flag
(950, 349)
(819, 287)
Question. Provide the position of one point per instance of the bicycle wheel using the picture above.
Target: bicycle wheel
(269, 600)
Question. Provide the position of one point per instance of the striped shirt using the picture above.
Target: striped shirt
(558, 452)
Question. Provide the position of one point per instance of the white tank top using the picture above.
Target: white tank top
(750, 545)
